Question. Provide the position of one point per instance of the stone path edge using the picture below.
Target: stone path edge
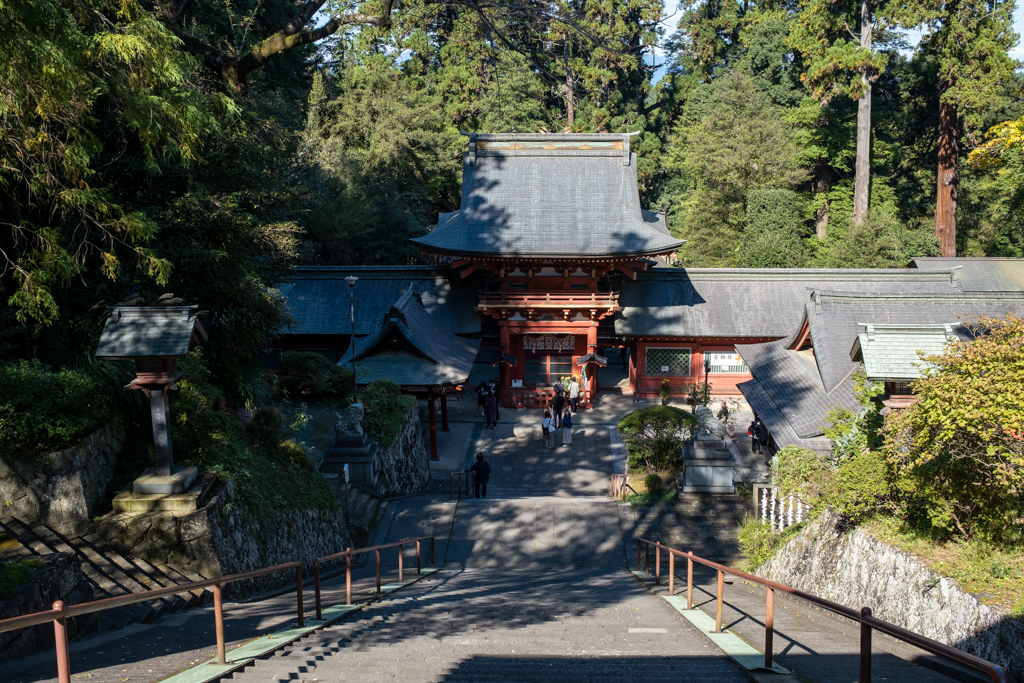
(734, 647)
(246, 654)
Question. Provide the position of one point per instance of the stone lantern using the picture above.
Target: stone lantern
(155, 337)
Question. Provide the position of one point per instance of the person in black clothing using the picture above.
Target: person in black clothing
(762, 436)
(481, 397)
(755, 445)
(481, 473)
(557, 407)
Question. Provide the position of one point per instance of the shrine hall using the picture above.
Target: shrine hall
(551, 263)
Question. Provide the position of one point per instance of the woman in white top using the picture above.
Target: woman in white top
(574, 394)
(547, 424)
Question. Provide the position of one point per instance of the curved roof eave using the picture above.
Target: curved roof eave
(519, 255)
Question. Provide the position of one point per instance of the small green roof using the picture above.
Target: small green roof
(890, 352)
(150, 332)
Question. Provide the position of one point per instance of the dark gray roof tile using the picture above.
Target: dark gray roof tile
(149, 331)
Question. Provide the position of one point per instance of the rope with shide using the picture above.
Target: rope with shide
(867, 622)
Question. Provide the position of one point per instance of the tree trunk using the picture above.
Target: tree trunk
(945, 207)
(862, 178)
(822, 184)
(570, 90)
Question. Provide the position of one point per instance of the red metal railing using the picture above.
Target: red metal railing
(455, 482)
(515, 299)
(619, 486)
(348, 554)
(61, 613)
(867, 622)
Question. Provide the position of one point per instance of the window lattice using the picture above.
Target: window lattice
(667, 362)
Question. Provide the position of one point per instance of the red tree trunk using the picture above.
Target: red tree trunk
(945, 206)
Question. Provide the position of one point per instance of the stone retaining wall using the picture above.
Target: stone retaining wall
(223, 537)
(857, 570)
(60, 579)
(61, 489)
(404, 466)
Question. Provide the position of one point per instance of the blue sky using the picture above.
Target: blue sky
(912, 36)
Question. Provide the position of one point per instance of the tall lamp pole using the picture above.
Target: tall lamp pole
(707, 371)
(351, 280)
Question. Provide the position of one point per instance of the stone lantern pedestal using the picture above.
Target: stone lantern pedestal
(707, 466)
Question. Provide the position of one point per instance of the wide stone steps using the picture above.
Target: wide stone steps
(110, 574)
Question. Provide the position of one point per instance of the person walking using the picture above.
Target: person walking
(481, 398)
(755, 445)
(546, 426)
(481, 474)
(567, 430)
(762, 436)
(557, 406)
(491, 410)
(574, 394)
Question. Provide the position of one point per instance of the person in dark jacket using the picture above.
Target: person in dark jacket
(557, 407)
(755, 445)
(481, 397)
(762, 436)
(481, 474)
(491, 410)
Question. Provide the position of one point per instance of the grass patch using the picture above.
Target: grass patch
(15, 574)
(643, 499)
(759, 543)
(993, 573)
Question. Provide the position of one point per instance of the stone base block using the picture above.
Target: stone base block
(708, 476)
(178, 482)
(187, 501)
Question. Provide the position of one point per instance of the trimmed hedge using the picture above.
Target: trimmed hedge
(654, 436)
(44, 410)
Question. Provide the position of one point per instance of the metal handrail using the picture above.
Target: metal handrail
(862, 616)
(348, 553)
(61, 613)
(468, 477)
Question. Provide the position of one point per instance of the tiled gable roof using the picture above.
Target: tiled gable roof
(436, 355)
(982, 274)
(747, 302)
(149, 331)
(550, 195)
(893, 352)
(318, 298)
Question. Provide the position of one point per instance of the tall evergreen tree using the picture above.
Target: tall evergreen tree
(841, 62)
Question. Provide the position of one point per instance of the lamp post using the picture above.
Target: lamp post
(351, 280)
(707, 370)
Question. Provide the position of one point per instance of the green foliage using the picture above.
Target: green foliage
(654, 436)
(653, 484)
(772, 232)
(268, 468)
(861, 486)
(42, 409)
(385, 408)
(802, 473)
(16, 573)
(854, 433)
(308, 374)
(959, 451)
(759, 542)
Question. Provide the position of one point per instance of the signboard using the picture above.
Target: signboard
(664, 368)
(346, 473)
(517, 384)
(726, 362)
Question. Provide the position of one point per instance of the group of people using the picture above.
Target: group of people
(558, 414)
(758, 434)
(487, 401)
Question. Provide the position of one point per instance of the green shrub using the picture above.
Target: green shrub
(759, 542)
(771, 236)
(861, 486)
(654, 436)
(311, 375)
(47, 410)
(653, 484)
(802, 473)
(15, 574)
(384, 408)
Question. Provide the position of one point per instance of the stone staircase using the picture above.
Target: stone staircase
(365, 508)
(493, 626)
(706, 523)
(109, 573)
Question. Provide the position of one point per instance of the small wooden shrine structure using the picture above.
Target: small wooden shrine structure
(155, 337)
(409, 347)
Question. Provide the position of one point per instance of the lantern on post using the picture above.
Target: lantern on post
(155, 337)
